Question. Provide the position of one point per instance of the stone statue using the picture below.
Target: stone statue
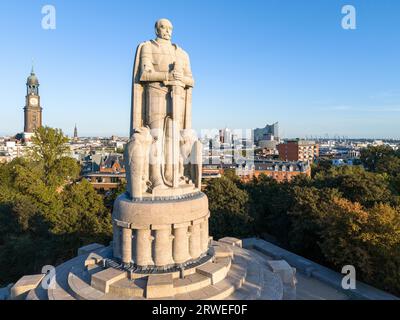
(161, 102)
(187, 159)
(137, 160)
(161, 222)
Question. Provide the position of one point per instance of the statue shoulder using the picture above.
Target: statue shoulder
(181, 52)
(144, 46)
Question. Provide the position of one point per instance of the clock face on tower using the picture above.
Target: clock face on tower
(34, 101)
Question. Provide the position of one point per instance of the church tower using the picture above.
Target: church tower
(32, 109)
(75, 133)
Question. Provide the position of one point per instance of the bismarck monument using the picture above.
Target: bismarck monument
(161, 247)
(161, 222)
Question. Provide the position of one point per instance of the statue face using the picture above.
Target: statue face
(164, 29)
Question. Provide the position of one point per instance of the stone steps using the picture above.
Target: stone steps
(271, 284)
(32, 295)
(190, 283)
(59, 294)
(234, 274)
(81, 289)
(129, 288)
(217, 291)
(61, 289)
(222, 289)
(37, 294)
(260, 282)
(198, 285)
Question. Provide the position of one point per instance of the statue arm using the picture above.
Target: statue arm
(146, 66)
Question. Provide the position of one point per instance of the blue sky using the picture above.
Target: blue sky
(254, 62)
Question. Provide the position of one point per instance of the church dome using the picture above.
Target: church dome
(32, 79)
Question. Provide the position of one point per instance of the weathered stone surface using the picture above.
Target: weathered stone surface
(167, 212)
(198, 281)
(103, 279)
(226, 261)
(242, 281)
(215, 271)
(93, 259)
(129, 288)
(159, 286)
(222, 251)
(231, 241)
(24, 285)
(163, 162)
(162, 78)
(89, 248)
(182, 285)
(284, 270)
(83, 290)
(159, 248)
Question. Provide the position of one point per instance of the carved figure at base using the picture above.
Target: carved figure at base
(137, 160)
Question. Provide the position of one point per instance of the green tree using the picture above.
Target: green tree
(228, 207)
(50, 148)
(310, 205)
(369, 239)
(371, 155)
(389, 164)
(84, 213)
(322, 165)
(356, 184)
(45, 212)
(111, 195)
(269, 202)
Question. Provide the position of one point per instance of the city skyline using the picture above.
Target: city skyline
(315, 77)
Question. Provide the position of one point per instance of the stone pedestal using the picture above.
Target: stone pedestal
(195, 240)
(163, 246)
(160, 233)
(143, 247)
(204, 234)
(126, 244)
(181, 243)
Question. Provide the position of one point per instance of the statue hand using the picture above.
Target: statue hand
(177, 75)
(171, 76)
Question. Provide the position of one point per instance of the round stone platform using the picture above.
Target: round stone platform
(233, 273)
(160, 233)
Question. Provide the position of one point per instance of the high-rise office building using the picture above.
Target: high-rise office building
(270, 130)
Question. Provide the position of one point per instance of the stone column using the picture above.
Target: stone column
(162, 245)
(194, 242)
(143, 247)
(116, 240)
(204, 235)
(126, 245)
(134, 241)
(180, 250)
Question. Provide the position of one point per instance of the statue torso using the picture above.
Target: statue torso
(164, 56)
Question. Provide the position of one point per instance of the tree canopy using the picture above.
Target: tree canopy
(340, 216)
(46, 212)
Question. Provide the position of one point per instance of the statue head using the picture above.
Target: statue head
(164, 29)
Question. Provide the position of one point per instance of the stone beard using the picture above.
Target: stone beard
(166, 147)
